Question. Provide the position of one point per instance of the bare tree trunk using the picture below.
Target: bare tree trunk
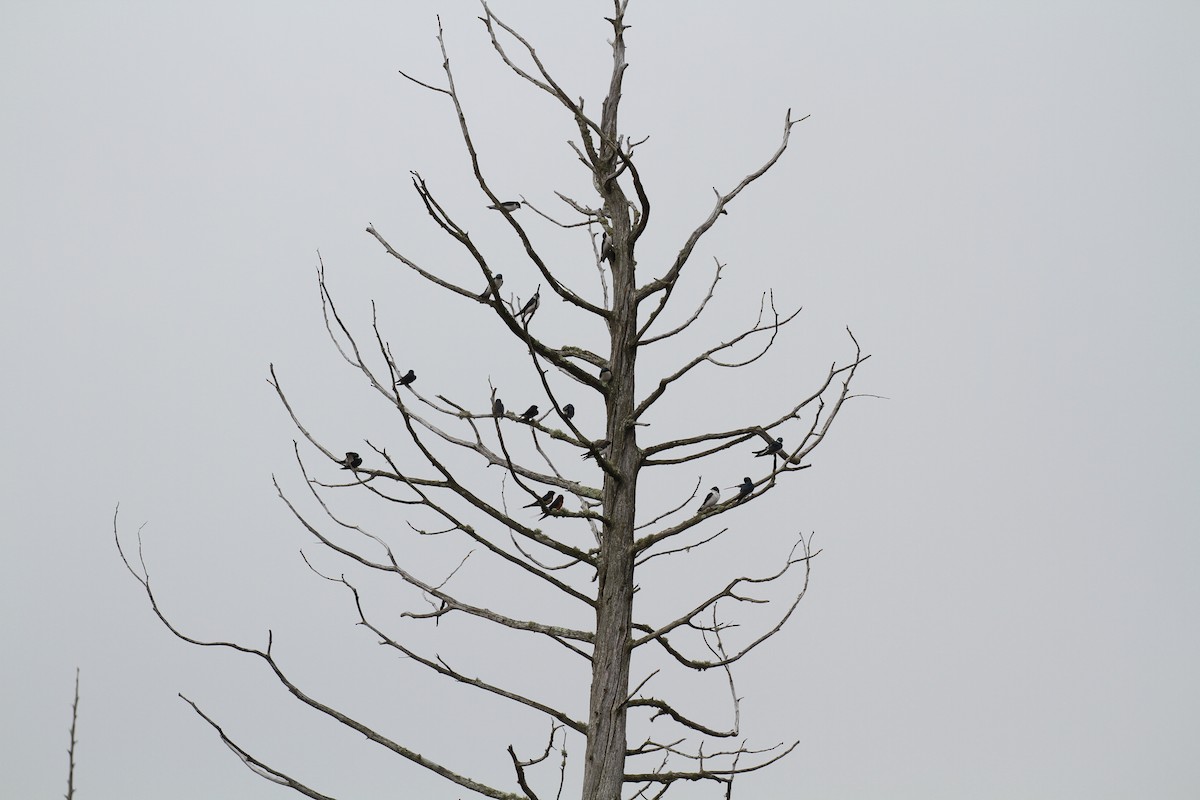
(604, 759)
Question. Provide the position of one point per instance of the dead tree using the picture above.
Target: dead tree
(70, 795)
(590, 541)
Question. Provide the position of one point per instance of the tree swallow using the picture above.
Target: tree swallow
(745, 488)
(530, 413)
(605, 375)
(497, 407)
(568, 411)
(531, 306)
(351, 461)
(555, 506)
(606, 249)
(541, 501)
(499, 280)
(508, 205)
(407, 378)
(604, 446)
(771, 449)
(710, 500)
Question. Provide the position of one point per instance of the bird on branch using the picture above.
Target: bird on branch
(541, 501)
(605, 375)
(744, 488)
(497, 407)
(498, 279)
(604, 446)
(710, 500)
(526, 312)
(507, 205)
(407, 378)
(568, 411)
(771, 449)
(555, 506)
(351, 461)
(530, 413)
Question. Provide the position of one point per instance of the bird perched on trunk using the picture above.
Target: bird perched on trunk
(771, 449)
(497, 407)
(710, 500)
(606, 249)
(530, 413)
(507, 205)
(744, 488)
(568, 411)
(555, 506)
(498, 279)
(351, 461)
(526, 312)
(605, 375)
(541, 501)
(407, 378)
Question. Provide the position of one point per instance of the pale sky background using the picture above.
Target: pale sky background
(1001, 200)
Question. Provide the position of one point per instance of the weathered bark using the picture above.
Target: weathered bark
(604, 759)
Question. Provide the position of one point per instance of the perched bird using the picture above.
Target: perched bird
(499, 281)
(604, 446)
(605, 375)
(745, 488)
(526, 312)
(555, 506)
(351, 461)
(541, 501)
(530, 413)
(497, 407)
(407, 378)
(568, 411)
(507, 205)
(771, 449)
(606, 249)
(710, 500)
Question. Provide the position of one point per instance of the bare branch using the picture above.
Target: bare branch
(642, 341)
(666, 283)
(253, 764)
(265, 655)
(758, 327)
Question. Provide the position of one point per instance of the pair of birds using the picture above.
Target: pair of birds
(526, 312)
(568, 411)
(714, 494)
(531, 305)
(548, 503)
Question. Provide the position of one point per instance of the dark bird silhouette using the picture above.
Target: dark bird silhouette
(710, 500)
(351, 461)
(605, 375)
(507, 205)
(497, 407)
(407, 378)
(499, 281)
(555, 506)
(771, 449)
(606, 249)
(745, 488)
(541, 501)
(530, 413)
(568, 411)
(526, 312)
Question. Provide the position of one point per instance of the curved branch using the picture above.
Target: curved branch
(667, 282)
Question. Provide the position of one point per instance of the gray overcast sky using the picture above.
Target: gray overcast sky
(1001, 200)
